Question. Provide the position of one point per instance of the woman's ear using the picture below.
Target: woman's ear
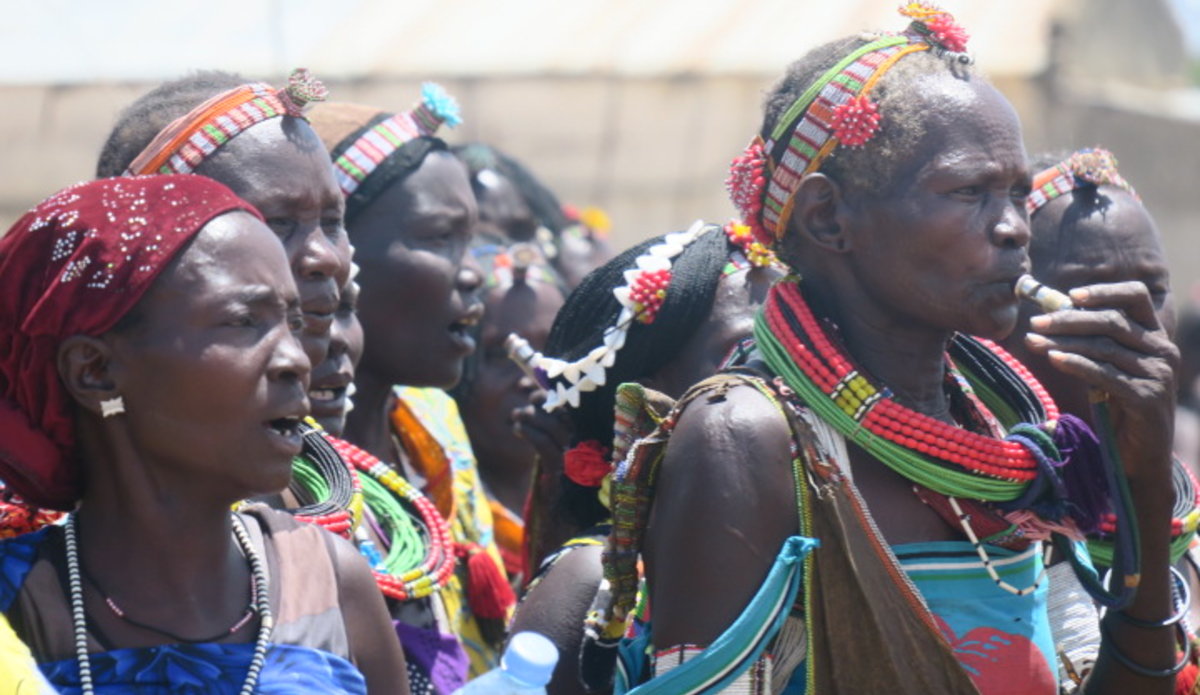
(818, 214)
(86, 369)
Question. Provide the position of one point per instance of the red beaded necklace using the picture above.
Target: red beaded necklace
(438, 563)
(797, 346)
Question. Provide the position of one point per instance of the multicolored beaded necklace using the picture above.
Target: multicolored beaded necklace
(944, 458)
(420, 557)
(1018, 470)
(326, 485)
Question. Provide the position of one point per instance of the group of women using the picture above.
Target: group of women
(301, 399)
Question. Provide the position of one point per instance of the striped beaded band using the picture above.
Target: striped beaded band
(1093, 166)
(190, 139)
(381, 140)
(836, 109)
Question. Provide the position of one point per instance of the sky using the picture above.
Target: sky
(1188, 12)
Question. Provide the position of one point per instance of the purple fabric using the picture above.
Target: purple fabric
(440, 657)
(1083, 476)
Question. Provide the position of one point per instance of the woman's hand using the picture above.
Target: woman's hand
(1115, 343)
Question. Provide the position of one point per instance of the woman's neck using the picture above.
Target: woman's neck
(369, 425)
(155, 540)
(908, 358)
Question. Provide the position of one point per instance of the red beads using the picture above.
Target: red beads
(826, 365)
(948, 33)
(855, 122)
(747, 183)
(647, 293)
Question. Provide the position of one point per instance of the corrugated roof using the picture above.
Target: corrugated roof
(55, 41)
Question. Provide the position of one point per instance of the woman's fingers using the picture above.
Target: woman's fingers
(1125, 387)
(1101, 349)
(1132, 297)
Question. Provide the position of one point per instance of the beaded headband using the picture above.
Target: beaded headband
(1092, 166)
(640, 297)
(835, 109)
(188, 140)
(365, 154)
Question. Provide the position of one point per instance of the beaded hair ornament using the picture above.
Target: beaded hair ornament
(190, 139)
(835, 110)
(1092, 166)
(640, 297)
(365, 154)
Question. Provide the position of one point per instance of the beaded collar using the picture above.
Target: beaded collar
(944, 458)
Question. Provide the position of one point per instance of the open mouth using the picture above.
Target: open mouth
(326, 395)
(286, 427)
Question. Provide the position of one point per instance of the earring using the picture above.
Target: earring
(112, 407)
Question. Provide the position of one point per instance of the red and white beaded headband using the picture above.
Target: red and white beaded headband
(188, 140)
(1092, 166)
(834, 110)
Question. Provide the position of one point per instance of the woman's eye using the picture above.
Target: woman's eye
(240, 321)
(1021, 191)
(968, 191)
(295, 323)
(281, 226)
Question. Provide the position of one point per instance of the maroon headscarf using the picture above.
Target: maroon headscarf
(74, 265)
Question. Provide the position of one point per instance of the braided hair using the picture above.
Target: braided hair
(591, 308)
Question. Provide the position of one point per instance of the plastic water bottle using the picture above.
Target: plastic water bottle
(525, 668)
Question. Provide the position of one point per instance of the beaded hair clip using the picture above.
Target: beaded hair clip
(835, 110)
(363, 156)
(188, 140)
(641, 297)
(1092, 166)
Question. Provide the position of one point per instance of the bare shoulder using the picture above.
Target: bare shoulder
(737, 433)
(723, 507)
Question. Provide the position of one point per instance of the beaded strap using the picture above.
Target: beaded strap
(365, 154)
(190, 139)
(834, 110)
(1092, 166)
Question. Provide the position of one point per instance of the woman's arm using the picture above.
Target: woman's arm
(725, 503)
(1118, 347)
(374, 646)
(556, 608)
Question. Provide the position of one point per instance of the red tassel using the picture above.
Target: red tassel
(488, 592)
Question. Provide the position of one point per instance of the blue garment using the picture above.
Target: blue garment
(1002, 640)
(210, 668)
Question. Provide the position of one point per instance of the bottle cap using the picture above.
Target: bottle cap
(530, 658)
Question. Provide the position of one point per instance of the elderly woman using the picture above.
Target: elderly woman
(176, 392)
(873, 499)
(410, 213)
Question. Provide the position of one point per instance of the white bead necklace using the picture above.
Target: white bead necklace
(262, 605)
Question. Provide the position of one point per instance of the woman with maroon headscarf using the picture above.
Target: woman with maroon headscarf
(154, 377)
